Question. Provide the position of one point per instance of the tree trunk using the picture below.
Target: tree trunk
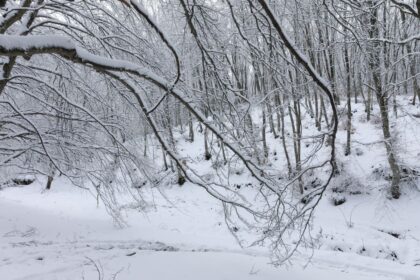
(190, 128)
(347, 66)
(207, 154)
(375, 66)
(49, 182)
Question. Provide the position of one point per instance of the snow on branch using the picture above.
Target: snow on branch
(11, 45)
(66, 48)
(407, 8)
(30, 44)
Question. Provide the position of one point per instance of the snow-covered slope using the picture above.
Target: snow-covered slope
(65, 233)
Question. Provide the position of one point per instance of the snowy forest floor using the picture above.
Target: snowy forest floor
(65, 234)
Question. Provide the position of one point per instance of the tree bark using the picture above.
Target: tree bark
(375, 66)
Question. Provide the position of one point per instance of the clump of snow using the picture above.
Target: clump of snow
(11, 42)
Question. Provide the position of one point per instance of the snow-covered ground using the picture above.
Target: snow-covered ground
(62, 234)
(65, 233)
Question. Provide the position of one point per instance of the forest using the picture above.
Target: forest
(218, 139)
